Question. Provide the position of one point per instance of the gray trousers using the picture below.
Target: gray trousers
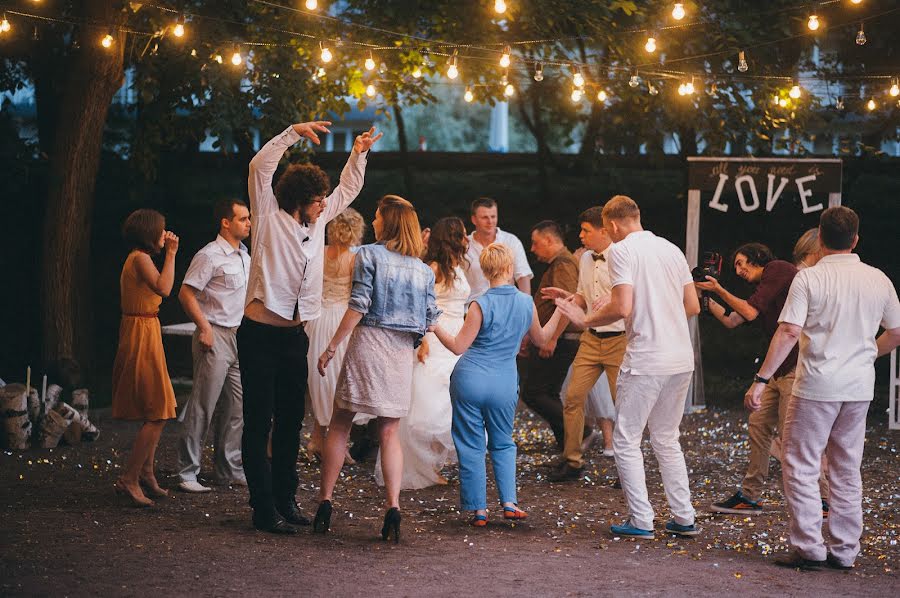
(216, 375)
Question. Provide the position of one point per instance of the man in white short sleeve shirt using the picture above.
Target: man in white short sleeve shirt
(484, 218)
(834, 309)
(212, 295)
(653, 291)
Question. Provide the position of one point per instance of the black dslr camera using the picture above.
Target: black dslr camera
(710, 265)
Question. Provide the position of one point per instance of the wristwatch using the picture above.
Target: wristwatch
(760, 379)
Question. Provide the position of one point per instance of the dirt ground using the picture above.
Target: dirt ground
(64, 533)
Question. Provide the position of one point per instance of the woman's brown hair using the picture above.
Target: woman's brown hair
(142, 230)
(447, 248)
(400, 231)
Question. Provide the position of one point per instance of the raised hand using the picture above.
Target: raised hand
(571, 310)
(364, 142)
(554, 293)
(713, 285)
(170, 241)
(310, 129)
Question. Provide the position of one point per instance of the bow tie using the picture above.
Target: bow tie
(598, 256)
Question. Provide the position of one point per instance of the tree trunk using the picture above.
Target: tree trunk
(94, 75)
(404, 150)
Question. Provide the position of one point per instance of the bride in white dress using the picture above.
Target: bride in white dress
(425, 431)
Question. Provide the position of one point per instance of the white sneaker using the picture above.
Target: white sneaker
(608, 452)
(194, 487)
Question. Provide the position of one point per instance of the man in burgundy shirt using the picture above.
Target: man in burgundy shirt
(756, 264)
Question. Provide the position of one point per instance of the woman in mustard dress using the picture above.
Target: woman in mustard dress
(141, 388)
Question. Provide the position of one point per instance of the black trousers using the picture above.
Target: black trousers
(543, 383)
(273, 376)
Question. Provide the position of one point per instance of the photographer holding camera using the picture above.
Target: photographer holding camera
(755, 263)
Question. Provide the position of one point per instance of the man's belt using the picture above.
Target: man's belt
(606, 333)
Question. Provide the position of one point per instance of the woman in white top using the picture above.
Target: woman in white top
(425, 431)
(344, 232)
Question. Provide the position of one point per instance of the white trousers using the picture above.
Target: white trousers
(656, 402)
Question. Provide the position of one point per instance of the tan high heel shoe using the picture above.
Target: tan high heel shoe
(137, 500)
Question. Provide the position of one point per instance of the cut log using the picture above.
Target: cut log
(52, 398)
(16, 427)
(34, 405)
(52, 428)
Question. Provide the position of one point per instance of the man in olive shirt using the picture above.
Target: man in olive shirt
(547, 367)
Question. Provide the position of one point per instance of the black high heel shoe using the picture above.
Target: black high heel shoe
(391, 523)
(323, 517)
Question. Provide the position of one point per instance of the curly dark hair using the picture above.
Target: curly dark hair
(447, 248)
(757, 254)
(299, 185)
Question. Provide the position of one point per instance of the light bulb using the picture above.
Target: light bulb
(218, 58)
(4, 25)
(813, 22)
(370, 62)
(775, 99)
(634, 81)
(468, 96)
(539, 72)
(452, 71)
(577, 95)
(578, 79)
(839, 104)
(371, 91)
(782, 102)
(861, 36)
(678, 11)
(689, 88)
(871, 105)
(509, 90)
(320, 73)
(895, 88)
(326, 54)
(499, 7)
(681, 89)
(236, 58)
(795, 92)
(601, 95)
(652, 89)
(742, 62)
(179, 27)
(107, 41)
(417, 72)
(504, 59)
(855, 1)
(312, 4)
(650, 46)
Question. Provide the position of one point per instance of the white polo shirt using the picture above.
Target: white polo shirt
(477, 282)
(594, 283)
(840, 303)
(218, 273)
(659, 342)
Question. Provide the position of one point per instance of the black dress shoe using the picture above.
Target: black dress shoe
(795, 561)
(288, 509)
(566, 473)
(832, 563)
(273, 524)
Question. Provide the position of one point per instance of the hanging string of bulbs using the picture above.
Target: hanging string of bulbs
(687, 87)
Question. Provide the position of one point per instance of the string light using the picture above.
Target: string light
(509, 90)
(783, 103)
(650, 46)
(855, 1)
(577, 94)
(218, 58)
(417, 72)
(326, 54)
(861, 36)
(499, 7)
(795, 91)
(839, 104)
(652, 89)
(370, 62)
(468, 96)
(578, 79)
(871, 105)
(678, 11)
(236, 58)
(895, 88)
(681, 89)
(539, 72)
(813, 22)
(371, 91)
(4, 24)
(179, 27)
(689, 87)
(742, 62)
(504, 59)
(452, 69)
(634, 81)
(312, 4)
(107, 40)
(602, 96)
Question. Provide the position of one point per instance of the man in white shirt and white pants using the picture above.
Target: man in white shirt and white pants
(484, 218)
(653, 291)
(213, 295)
(284, 291)
(834, 309)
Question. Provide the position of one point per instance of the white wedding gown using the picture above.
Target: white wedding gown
(425, 431)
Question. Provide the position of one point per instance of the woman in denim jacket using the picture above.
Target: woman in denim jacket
(392, 303)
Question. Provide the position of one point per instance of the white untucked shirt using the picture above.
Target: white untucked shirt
(659, 342)
(840, 303)
(287, 256)
(478, 283)
(218, 273)
(594, 283)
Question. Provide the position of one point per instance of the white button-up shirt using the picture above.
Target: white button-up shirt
(288, 257)
(218, 273)
(594, 283)
(477, 282)
(840, 303)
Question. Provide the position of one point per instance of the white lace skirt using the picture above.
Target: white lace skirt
(321, 388)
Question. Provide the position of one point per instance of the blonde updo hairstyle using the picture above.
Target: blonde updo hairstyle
(806, 246)
(347, 228)
(496, 260)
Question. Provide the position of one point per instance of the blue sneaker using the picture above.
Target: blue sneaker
(626, 529)
(682, 530)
